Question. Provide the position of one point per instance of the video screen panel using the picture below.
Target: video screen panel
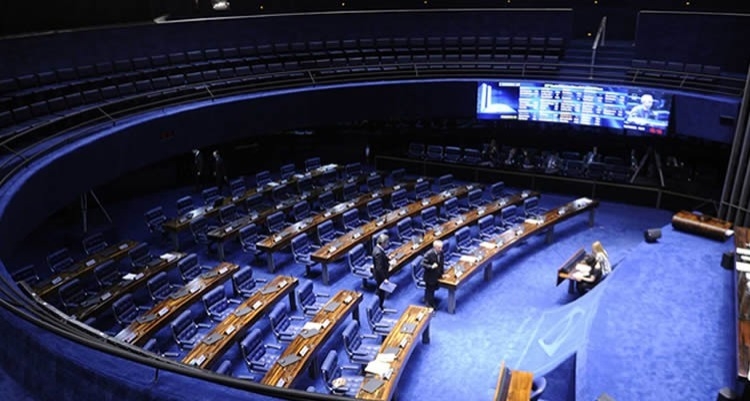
(634, 109)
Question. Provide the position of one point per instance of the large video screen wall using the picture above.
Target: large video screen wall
(640, 110)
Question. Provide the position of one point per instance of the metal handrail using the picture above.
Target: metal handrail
(600, 34)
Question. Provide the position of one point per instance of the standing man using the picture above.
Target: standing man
(220, 172)
(380, 265)
(198, 169)
(433, 270)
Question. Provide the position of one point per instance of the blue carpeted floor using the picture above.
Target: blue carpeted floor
(658, 325)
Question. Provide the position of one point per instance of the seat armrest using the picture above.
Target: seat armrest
(234, 301)
(351, 367)
(261, 280)
(205, 268)
(296, 318)
(246, 377)
(388, 310)
(204, 325)
(372, 336)
(170, 354)
(322, 294)
(274, 346)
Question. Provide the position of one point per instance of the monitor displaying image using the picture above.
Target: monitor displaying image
(497, 100)
(647, 111)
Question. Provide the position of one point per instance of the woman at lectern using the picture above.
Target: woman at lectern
(594, 267)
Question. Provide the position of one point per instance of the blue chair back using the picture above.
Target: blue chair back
(301, 210)
(350, 219)
(243, 282)
(228, 213)
(183, 328)
(508, 214)
(287, 171)
(158, 286)
(497, 189)
(124, 310)
(374, 208)
(450, 208)
(155, 218)
(405, 229)
(474, 198)
(326, 200)
(215, 301)
(349, 191)
(429, 217)
(184, 205)
(463, 237)
(353, 169)
(422, 190)
(398, 198)
(312, 163)
(59, 260)
(279, 318)
(189, 267)
(304, 185)
(237, 187)
(254, 202)
(106, 273)
(374, 182)
(531, 205)
(262, 178)
(445, 182)
(275, 222)
(417, 272)
(94, 243)
(210, 195)
(326, 232)
(486, 225)
(301, 245)
(71, 294)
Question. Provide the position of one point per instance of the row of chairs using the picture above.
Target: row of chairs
(450, 154)
(674, 70)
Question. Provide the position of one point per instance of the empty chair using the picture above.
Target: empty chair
(429, 218)
(228, 214)
(276, 222)
(72, 294)
(287, 171)
(94, 243)
(185, 332)
(106, 274)
(575, 168)
(249, 238)
(330, 371)
(140, 256)
(434, 152)
(487, 227)
(374, 183)
(59, 261)
(125, 310)
(399, 199)
(312, 163)
(497, 190)
(356, 345)
(326, 200)
(254, 202)
(509, 216)
(243, 282)
(416, 150)
(349, 191)
(374, 209)
(155, 218)
(280, 193)
(452, 154)
(463, 240)
(360, 264)
(254, 352)
(216, 304)
(305, 185)
(26, 274)
(301, 210)
(449, 209)
(531, 206)
(189, 267)
(237, 187)
(159, 287)
(417, 272)
(350, 219)
(308, 299)
(422, 190)
(185, 205)
(472, 156)
(302, 249)
(404, 231)
(199, 228)
(445, 182)
(352, 170)
(281, 323)
(262, 178)
(376, 317)
(397, 175)
(473, 199)
(210, 195)
(327, 232)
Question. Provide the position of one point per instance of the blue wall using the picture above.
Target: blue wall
(713, 39)
(72, 48)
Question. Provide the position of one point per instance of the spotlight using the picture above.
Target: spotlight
(220, 5)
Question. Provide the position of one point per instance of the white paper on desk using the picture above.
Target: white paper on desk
(743, 266)
(468, 259)
(488, 245)
(129, 277)
(312, 326)
(168, 257)
(377, 368)
(743, 251)
(385, 358)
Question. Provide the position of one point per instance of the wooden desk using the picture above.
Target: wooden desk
(281, 376)
(104, 298)
(231, 230)
(567, 269)
(706, 226)
(181, 223)
(483, 255)
(404, 253)
(236, 323)
(742, 301)
(338, 248)
(403, 341)
(159, 315)
(283, 238)
(513, 385)
(113, 252)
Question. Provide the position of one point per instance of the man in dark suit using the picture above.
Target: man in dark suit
(380, 265)
(220, 172)
(433, 270)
